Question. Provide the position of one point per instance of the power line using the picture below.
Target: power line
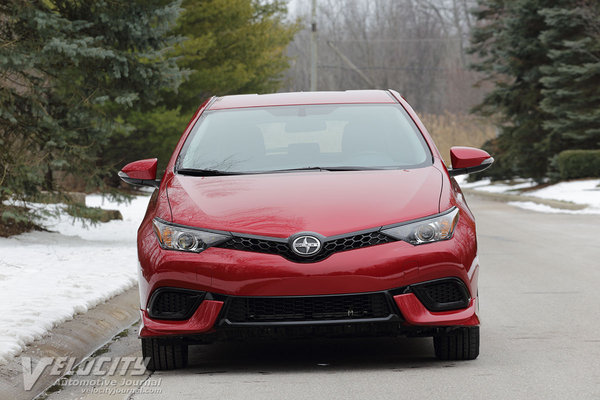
(401, 40)
(388, 68)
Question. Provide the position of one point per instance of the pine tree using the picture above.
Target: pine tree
(511, 55)
(571, 93)
(68, 71)
(232, 47)
(228, 47)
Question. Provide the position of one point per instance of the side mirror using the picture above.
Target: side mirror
(466, 160)
(140, 173)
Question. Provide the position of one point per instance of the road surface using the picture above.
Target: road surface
(539, 303)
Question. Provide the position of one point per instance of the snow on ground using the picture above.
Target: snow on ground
(530, 205)
(485, 185)
(579, 192)
(47, 277)
(585, 191)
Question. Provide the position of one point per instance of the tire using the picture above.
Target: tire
(164, 354)
(458, 344)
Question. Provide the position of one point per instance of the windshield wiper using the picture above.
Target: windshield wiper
(205, 172)
(342, 168)
(353, 168)
(217, 172)
(297, 169)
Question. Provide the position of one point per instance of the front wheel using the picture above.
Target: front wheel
(458, 344)
(164, 354)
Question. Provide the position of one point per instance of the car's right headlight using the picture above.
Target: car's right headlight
(425, 230)
(186, 238)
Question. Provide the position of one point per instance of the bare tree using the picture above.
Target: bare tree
(417, 47)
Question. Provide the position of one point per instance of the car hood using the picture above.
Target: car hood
(281, 204)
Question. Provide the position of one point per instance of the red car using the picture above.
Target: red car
(307, 214)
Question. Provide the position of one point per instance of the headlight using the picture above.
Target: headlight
(426, 230)
(182, 238)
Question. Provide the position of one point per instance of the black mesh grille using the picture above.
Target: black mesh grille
(355, 242)
(329, 247)
(258, 246)
(443, 295)
(445, 292)
(174, 304)
(320, 308)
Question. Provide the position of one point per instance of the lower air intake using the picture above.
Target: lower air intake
(317, 308)
(443, 295)
(172, 303)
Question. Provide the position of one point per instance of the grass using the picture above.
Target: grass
(450, 130)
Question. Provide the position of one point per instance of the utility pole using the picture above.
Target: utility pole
(313, 48)
(352, 66)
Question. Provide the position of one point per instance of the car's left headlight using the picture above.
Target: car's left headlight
(426, 230)
(184, 238)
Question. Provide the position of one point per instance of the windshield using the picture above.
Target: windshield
(263, 139)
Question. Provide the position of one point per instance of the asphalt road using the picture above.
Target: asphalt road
(539, 303)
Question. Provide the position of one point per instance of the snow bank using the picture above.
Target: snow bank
(586, 192)
(485, 185)
(530, 205)
(47, 277)
(579, 192)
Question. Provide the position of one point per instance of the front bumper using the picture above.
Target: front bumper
(223, 274)
(400, 309)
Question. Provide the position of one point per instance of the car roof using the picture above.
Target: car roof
(302, 98)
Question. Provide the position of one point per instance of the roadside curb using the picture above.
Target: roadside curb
(77, 338)
(506, 197)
